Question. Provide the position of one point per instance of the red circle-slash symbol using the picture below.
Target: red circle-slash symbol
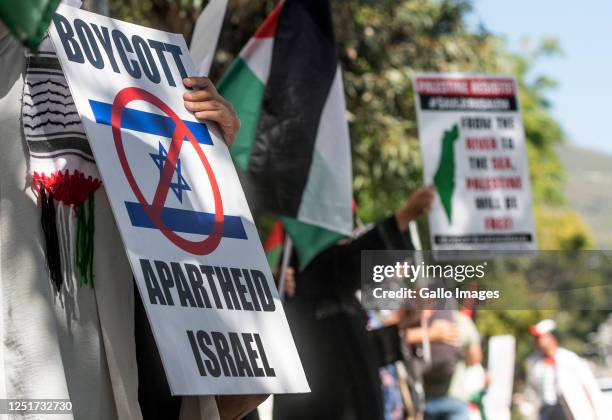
(154, 209)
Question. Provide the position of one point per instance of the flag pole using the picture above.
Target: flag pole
(285, 264)
(416, 242)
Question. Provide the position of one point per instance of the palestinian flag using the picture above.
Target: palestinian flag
(293, 148)
(273, 246)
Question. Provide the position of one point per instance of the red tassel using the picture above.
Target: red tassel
(70, 189)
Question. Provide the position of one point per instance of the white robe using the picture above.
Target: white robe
(80, 345)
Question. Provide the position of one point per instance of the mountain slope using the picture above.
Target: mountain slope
(589, 189)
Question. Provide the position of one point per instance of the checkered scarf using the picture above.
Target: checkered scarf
(62, 168)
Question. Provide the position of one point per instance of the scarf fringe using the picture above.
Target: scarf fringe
(65, 216)
(52, 245)
(84, 241)
(68, 255)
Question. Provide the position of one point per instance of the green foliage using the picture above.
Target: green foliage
(561, 229)
(169, 15)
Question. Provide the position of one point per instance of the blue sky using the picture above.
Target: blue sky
(583, 100)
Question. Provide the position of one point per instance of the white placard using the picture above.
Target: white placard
(185, 223)
(473, 149)
(502, 349)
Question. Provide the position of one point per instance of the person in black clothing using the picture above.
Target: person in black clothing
(329, 326)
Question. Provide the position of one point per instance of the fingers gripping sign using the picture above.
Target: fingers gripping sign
(207, 104)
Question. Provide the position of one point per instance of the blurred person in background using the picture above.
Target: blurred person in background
(560, 380)
(397, 398)
(455, 348)
(329, 326)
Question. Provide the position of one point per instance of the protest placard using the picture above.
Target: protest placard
(501, 355)
(185, 223)
(474, 153)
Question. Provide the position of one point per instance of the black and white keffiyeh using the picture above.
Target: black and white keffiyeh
(62, 168)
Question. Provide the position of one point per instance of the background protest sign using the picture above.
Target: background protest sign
(473, 149)
(500, 367)
(183, 218)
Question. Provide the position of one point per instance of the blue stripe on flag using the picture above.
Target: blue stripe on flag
(186, 221)
(147, 122)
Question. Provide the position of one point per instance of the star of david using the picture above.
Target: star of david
(181, 184)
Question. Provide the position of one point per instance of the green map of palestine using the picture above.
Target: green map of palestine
(444, 179)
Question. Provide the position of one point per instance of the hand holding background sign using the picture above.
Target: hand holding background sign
(188, 232)
(418, 202)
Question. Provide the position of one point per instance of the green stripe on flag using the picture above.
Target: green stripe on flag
(273, 255)
(273, 245)
(309, 240)
(245, 91)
